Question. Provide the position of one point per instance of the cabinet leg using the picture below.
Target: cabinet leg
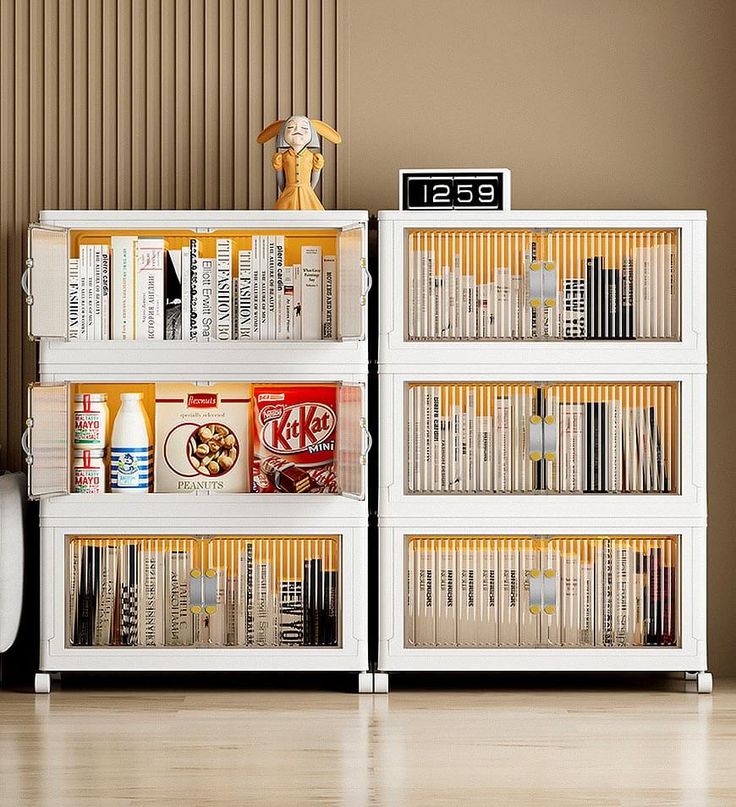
(380, 683)
(365, 683)
(42, 683)
(705, 683)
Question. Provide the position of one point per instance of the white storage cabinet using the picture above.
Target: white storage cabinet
(69, 516)
(660, 257)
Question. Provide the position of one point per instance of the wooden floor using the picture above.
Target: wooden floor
(483, 741)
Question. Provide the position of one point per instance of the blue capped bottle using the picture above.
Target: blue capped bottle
(131, 447)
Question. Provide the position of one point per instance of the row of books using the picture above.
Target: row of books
(187, 592)
(556, 437)
(142, 288)
(562, 284)
(530, 591)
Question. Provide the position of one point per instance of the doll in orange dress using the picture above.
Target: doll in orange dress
(297, 161)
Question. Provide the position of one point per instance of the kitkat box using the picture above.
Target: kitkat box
(294, 438)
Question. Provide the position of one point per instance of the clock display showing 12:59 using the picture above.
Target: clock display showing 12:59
(455, 189)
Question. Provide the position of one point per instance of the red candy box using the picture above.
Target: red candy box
(294, 438)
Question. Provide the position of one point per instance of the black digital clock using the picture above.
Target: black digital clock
(455, 189)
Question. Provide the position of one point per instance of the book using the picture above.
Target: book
(206, 322)
(104, 613)
(152, 597)
(173, 295)
(179, 622)
(447, 611)
(149, 262)
(329, 289)
(74, 324)
(245, 294)
(223, 289)
(311, 293)
(425, 620)
(123, 286)
(195, 302)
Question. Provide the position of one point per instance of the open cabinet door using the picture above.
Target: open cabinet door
(353, 283)
(46, 440)
(353, 440)
(46, 282)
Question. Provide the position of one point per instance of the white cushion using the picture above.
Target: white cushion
(12, 502)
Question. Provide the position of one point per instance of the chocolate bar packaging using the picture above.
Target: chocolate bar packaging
(201, 437)
(294, 438)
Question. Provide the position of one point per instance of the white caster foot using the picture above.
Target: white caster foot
(691, 676)
(705, 683)
(380, 683)
(365, 683)
(42, 683)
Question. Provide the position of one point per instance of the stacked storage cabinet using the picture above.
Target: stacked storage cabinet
(542, 501)
(201, 568)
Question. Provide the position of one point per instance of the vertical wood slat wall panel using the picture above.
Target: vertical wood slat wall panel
(148, 103)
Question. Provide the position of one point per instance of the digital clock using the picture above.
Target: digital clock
(455, 189)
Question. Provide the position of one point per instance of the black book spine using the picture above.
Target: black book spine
(331, 632)
(654, 636)
(87, 602)
(317, 614)
(613, 289)
(602, 434)
(662, 482)
(308, 603)
(627, 298)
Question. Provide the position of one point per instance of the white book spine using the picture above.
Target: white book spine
(207, 322)
(329, 279)
(271, 289)
(150, 283)
(256, 288)
(74, 298)
(123, 287)
(224, 310)
(311, 293)
(186, 294)
(289, 302)
(105, 281)
(82, 292)
(280, 330)
(97, 292)
(297, 304)
(245, 294)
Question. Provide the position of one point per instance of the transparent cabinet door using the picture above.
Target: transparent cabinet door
(249, 591)
(46, 282)
(46, 440)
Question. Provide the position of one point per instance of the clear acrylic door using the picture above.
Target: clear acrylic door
(46, 440)
(46, 282)
(353, 440)
(542, 591)
(352, 285)
(249, 591)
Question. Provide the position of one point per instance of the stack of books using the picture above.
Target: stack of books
(562, 284)
(555, 437)
(184, 592)
(530, 591)
(144, 288)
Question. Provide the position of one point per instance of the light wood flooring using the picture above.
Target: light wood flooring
(460, 740)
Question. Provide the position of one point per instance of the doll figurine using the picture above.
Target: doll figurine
(297, 161)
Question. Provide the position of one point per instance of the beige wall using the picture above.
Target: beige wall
(592, 104)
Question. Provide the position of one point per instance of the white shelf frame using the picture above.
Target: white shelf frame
(690, 656)
(395, 502)
(351, 656)
(168, 358)
(397, 352)
(234, 514)
(400, 514)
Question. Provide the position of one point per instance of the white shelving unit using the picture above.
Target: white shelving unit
(66, 516)
(407, 359)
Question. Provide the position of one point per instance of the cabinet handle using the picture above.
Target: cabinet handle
(368, 442)
(368, 278)
(25, 443)
(24, 281)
